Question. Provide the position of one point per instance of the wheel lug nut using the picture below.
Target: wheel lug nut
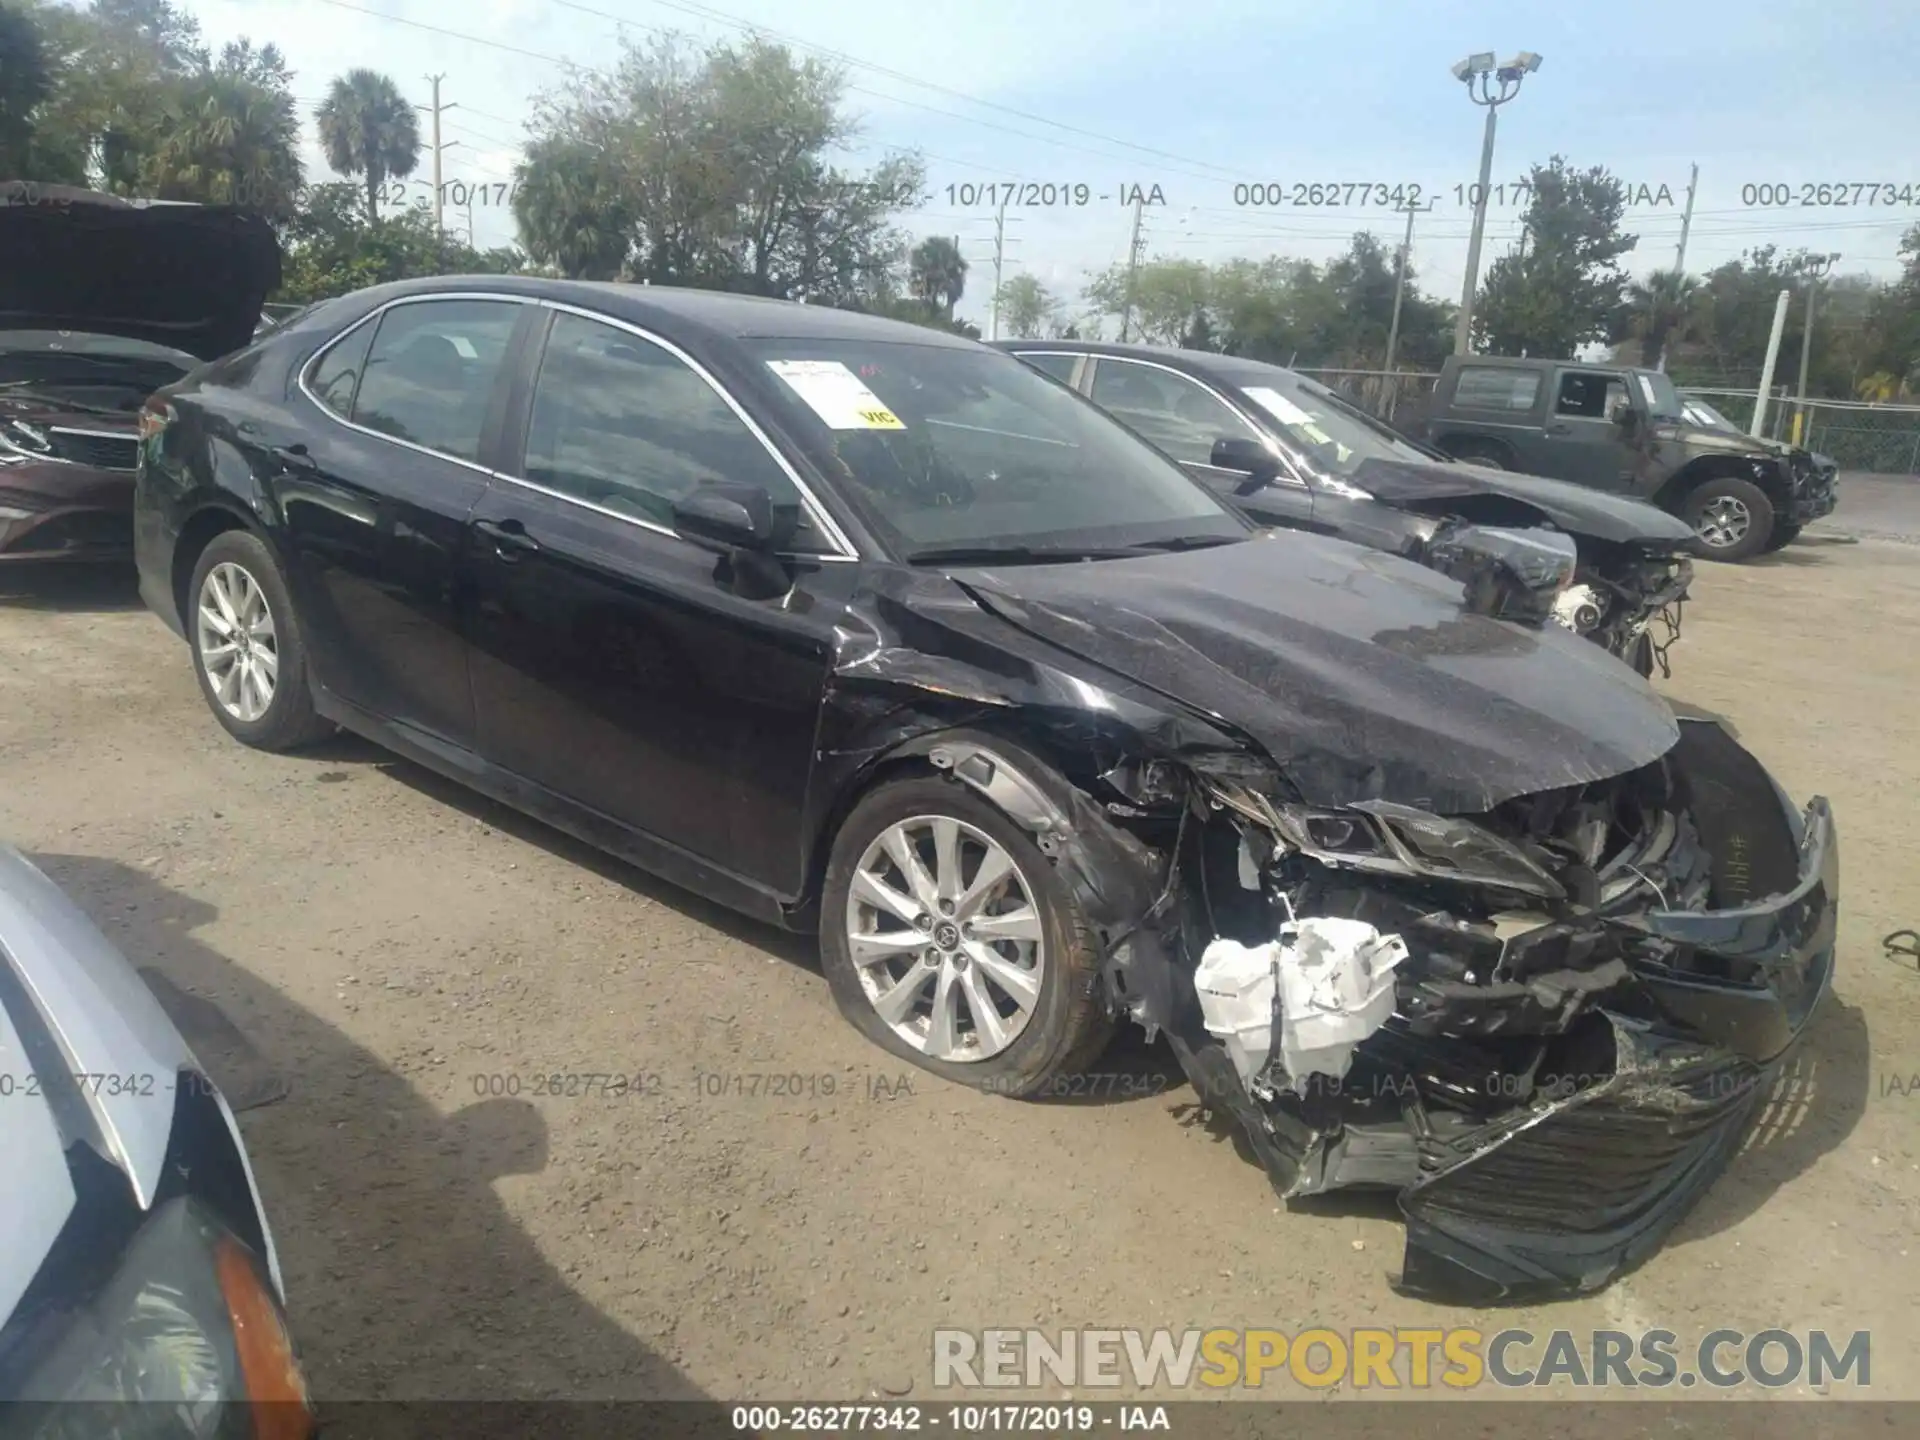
(925, 922)
(946, 907)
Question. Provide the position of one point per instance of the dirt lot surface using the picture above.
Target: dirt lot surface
(390, 950)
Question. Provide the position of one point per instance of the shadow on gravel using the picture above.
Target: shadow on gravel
(70, 587)
(407, 1277)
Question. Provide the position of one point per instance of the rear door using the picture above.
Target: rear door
(1583, 443)
(376, 508)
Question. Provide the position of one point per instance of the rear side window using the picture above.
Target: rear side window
(333, 380)
(1495, 387)
(431, 370)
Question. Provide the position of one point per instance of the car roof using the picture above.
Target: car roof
(673, 310)
(1235, 369)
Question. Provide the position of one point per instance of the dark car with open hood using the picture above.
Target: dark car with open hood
(1289, 451)
(102, 302)
(876, 632)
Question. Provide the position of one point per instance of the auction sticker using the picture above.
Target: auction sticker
(836, 394)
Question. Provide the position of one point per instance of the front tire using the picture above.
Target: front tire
(248, 654)
(1785, 532)
(949, 940)
(1731, 518)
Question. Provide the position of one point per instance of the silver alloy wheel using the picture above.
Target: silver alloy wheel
(1724, 522)
(945, 937)
(239, 650)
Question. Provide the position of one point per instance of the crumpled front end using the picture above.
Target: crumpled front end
(1597, 988)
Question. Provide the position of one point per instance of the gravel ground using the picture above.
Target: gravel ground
(389, 957)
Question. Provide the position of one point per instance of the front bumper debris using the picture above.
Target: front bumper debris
(1548, 1120)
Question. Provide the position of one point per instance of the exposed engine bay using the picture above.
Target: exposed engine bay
(1625, 598)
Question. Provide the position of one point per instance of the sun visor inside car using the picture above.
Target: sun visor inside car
(189, 276)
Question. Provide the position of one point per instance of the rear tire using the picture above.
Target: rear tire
(1066, 1026)
(1732, 518)
(248, 652)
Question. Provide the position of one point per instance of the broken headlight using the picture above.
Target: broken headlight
(1391, 839)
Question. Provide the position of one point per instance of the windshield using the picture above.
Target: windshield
(1320, 427)
(29, 357)
(1658, 393)
(952, 448)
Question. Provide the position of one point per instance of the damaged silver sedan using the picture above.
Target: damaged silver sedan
(876, 632)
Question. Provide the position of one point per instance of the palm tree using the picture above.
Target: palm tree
(233, 139)
(937, 273)
(368, 129)
(1659, 309)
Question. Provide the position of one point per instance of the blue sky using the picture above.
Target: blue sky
(1196, 96)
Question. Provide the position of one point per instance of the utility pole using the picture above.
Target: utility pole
(1400, 284)
(1766, 373)
(1133, 268)
(1680, 255)
(434, 109)
(1686, 222)
(1817, 271)
(999, 260)
(1479, 73)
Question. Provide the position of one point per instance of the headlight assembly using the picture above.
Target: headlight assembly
(184, 1342)
(1390, 839)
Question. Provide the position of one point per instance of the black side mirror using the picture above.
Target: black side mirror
(1622, 413)
(726, 516)
(1239, 453)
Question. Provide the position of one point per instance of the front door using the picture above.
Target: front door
(1585, 444)
(621, 667)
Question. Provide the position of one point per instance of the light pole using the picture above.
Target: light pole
(1818, 269)
(1491, 85)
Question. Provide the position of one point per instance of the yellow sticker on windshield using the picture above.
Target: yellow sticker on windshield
(836, 394)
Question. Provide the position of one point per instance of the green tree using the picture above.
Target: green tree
(1659, 309)
(332, 248)
(1563, 287)
(26, 80)
(368, 128)
(1027, 308)
(938, 272)
(233, 136)
(709, 167)
(1164, 292)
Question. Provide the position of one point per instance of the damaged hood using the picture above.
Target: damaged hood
(1360, 674)
(191, 277)
(1574, 508)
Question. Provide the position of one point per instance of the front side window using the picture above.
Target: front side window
(1496, 387)
(624, 424)
(1174, 412)
(1587, 395)
(430, 373)
(944, 446)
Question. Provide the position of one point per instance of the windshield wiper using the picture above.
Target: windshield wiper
(1049, 554)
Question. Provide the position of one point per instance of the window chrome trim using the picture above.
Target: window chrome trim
(308, 365)
(822, 517)
(1290, 473)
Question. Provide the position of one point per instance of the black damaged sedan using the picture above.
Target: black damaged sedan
(866, 629)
